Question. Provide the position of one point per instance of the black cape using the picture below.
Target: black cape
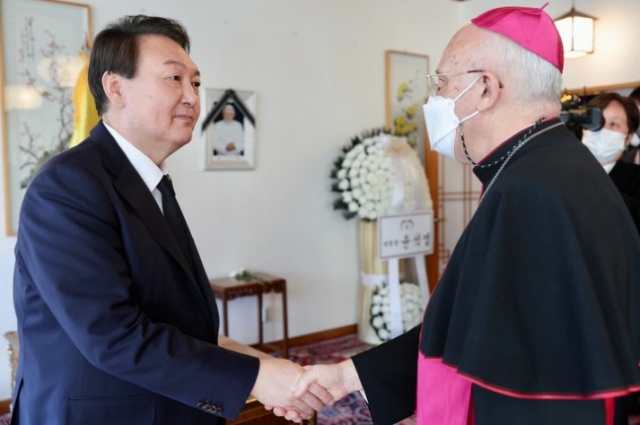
(540, 296)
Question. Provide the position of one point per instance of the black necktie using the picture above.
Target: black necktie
(174, 216)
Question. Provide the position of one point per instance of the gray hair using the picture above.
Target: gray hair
(535, 79)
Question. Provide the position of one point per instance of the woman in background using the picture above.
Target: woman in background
(632, 154)
(608, 144)
(622, 117)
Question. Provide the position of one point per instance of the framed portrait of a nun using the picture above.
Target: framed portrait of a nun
(228, 129)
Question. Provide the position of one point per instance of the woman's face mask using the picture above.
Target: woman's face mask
(442, 122)
(605, 145)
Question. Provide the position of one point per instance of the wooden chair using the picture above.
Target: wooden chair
(12, 337)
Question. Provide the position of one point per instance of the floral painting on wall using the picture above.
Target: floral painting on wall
(44, 45)
(406, 92)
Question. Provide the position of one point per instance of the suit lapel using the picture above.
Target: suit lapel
(131, 187)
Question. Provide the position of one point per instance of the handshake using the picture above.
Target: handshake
(295, 392)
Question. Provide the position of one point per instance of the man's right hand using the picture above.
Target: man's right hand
(275, 385)
(337, 380)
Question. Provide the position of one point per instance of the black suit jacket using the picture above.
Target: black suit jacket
(113, 325)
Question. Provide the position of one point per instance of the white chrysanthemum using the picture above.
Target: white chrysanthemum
(366, 208)
(347, 197)
(411, 304)
(368, 173)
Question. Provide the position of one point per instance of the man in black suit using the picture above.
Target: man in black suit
(117, 322)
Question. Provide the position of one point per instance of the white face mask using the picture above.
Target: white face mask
(635, 140)
(605, 145)
(442, 122)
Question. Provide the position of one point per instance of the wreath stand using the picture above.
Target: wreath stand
(410, 194)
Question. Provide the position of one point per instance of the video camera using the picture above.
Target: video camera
(577, 117)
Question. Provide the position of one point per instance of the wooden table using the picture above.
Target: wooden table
(228, 288)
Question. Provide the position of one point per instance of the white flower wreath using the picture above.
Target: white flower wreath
(364, 178)
(380, 312)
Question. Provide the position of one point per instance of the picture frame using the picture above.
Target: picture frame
(228, 129)
(42, 46)
(406, 92)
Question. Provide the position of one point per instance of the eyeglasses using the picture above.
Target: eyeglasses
(435, 81)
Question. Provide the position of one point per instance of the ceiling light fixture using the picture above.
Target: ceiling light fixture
(577, 31)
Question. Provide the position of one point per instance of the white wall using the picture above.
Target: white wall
(318, 70)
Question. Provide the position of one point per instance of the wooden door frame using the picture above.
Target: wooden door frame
(431, 168)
